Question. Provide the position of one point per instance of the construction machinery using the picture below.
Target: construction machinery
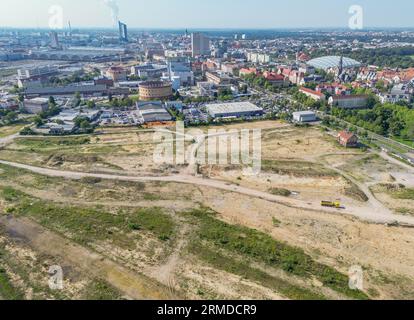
(331, 204)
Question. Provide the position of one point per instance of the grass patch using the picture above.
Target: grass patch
(101, 290)
(263, 248)
(409, 143)
(297, 168)
(9, 130)
(404, 194)
(397, 191)
(155, 221)
(7, 290)
(280, 192)
(242, 269)
(42, 143)
(405, 211)
(86, 225)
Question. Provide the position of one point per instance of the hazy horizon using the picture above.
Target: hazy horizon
(213, 14)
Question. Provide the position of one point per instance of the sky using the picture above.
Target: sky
(213, 14)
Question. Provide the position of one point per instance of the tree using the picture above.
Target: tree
(91, 104)
(11, 117)
(38, 121)
(52, 101)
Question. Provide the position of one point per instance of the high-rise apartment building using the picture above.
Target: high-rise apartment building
(200, 44)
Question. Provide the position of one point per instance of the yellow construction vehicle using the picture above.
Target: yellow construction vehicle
(331, 204)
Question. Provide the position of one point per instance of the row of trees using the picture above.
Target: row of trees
(388, 119)
(74, 78)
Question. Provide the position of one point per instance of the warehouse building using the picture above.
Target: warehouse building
(153, 111)
(36, 105)
(304, 116)
(234, 110)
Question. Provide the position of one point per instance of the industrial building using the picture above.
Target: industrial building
(234, 110)
(85, 90)
(304, 116)
(153, 111)
(150, 71)
(36, 105)
(155, 90)
(79, 54)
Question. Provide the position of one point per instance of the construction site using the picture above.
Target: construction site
(122, 226)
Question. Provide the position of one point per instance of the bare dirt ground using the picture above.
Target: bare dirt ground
(338, 237)
(131, 284)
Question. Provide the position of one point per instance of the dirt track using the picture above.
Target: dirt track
(366, 212)
(133, 285)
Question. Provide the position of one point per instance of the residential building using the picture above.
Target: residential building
(347, 139)
(349, 101)
(399, 92)
(277, 80)
(200, 44)
(116, 73)
(248, 71)
(315, 95)
(218, 79)
(258, 58)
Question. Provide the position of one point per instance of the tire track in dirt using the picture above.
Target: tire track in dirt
(133, 285)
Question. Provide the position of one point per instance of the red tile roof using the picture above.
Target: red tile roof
(316, 93)
(346, 135)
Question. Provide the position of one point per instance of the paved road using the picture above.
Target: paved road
(364, 211)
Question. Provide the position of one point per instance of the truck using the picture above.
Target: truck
(331, 204)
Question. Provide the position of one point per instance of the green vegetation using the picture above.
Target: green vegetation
(280, 192)
(52, 142)
(296, 168)
(387, 119)
(76, 77)
(262, 248)
(397, 191)
(101, 290)
(404, 194)
(7, 290)
(86, 225)
(232, 265)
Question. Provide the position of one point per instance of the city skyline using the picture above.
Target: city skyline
(163, 14)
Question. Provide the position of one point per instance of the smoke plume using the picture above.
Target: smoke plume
(113, 5)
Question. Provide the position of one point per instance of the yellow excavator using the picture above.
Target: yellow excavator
(331, 204)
